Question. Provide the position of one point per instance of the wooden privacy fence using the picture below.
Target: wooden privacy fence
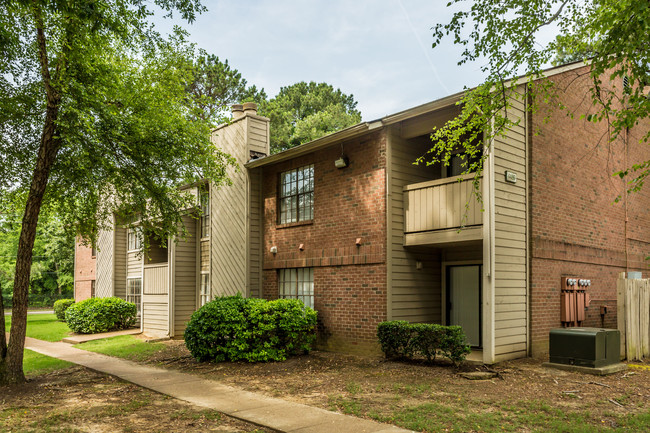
(633, 315)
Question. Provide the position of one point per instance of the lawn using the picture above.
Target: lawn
(34, 363)
(122, 346)
(524, 397)
(44, 327)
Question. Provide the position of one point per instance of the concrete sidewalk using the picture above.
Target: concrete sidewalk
(272, 413)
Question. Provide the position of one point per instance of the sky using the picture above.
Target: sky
(379, 51)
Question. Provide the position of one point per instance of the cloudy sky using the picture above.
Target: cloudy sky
(379, 51)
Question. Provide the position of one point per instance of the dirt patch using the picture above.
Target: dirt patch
(80, 400)
(370, 387)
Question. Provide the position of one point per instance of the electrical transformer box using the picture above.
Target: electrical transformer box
(586, 347)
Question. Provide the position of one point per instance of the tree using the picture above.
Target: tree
(215, 86)
(94, 121)
(508, 36)
(306, 111)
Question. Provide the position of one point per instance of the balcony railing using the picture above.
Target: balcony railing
(156, 279)
(440, 205)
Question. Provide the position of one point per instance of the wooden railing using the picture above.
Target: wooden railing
(441, 204)
(156, 279)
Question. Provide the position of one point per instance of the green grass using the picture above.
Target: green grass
(43, 326)
(35, 363)
(122, 346)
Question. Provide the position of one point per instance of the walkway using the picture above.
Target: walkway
(273, 413)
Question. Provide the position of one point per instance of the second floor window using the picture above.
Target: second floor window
(297, 195)
(134, 239)
(205, 214)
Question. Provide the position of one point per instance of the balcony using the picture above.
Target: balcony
(156, 279)
(435, 210)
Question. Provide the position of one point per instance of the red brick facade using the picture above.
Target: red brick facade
(84, 272)
(576, 227)
(349, 203)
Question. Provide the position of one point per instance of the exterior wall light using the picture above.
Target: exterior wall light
(274, 249)
(342, 162)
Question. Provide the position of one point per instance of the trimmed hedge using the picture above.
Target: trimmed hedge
(233, 328)
(401, 339)
(97, 315)
(60, 306)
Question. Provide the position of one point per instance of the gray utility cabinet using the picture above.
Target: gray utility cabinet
(587, 347)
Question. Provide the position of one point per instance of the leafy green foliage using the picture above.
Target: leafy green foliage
(96, 315)
(255, 330)
(401, 339)
(215, 86)
(52, 265)
(61, 306)
(509, 38)
(304, 112)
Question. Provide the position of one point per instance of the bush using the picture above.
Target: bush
(97, 315)
(234, 328)
(60, 307)
(401, 339)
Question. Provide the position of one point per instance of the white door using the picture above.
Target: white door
(464, 300)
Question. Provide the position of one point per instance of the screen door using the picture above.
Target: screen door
(464, 300)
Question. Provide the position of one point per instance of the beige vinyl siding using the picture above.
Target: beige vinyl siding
(510, 303)
(415, 295)
(104, 271)
(155, 317)
(133, 264)
(205, 255)
(228, 221)
(258, 134)
(255, 234)
(156, 279)
(185, 270)
(119, 263)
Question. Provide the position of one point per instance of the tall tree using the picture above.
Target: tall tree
(215, 86)
(305, 111)
(94, 119)
(509, 36)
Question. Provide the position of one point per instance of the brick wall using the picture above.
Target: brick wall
(576, 227)
(349, 203)
(85, 266)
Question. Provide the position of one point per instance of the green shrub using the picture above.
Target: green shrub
(401, 339)
(97, 315)
(60, 306)
(234, 328)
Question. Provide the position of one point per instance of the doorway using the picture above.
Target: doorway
(464, 301)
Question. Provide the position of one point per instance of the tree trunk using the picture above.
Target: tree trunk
(11, 365)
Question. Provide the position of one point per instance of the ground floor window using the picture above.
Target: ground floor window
(297, 284)
(92, 288)
(134, 292)
(204, 292)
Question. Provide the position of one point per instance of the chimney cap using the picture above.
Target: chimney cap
(237, 111)
(250, 107)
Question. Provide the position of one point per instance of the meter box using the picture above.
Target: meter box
(586, 347)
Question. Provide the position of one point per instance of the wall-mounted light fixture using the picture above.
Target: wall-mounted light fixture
(301, 247)
(343, 161)
(418, 265)
(274, 249)
(358, 242)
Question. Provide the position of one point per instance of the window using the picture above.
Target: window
(134, 292)
(92, 288)
(134, 239)
(458, 163)
(297, 195)
(204, 291)
(297, 284)
(205, 214)
(93, 251)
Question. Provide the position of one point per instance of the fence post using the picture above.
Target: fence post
(620, 311)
